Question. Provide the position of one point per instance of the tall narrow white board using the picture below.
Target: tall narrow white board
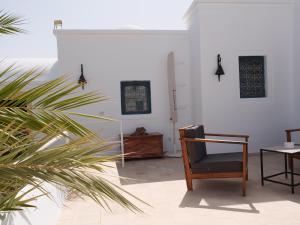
(172, 96)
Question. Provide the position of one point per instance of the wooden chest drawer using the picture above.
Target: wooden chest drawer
(148, 146)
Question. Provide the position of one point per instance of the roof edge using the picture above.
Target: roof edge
(59, 32)
(190, 11)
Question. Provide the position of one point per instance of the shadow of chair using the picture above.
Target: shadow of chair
(220, 194)
(217, 194)
(210, 196)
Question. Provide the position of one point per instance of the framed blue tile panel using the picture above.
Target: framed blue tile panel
(252, 76)
(135, 97)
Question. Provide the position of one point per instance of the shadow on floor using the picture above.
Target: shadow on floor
(226, 194)
(189, 201)
(151, 170)
(217, 194)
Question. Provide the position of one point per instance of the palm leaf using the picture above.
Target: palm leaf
(73, 165)
(30, 118)
(9, 24)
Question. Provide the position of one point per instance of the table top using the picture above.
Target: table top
(282, 149)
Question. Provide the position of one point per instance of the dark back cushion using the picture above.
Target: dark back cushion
(196, 151)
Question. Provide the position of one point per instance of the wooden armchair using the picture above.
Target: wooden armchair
(200, 165)
(289, 139)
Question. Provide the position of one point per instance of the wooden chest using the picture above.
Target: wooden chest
(148, 146)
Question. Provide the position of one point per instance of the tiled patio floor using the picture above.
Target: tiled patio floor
(160, 182)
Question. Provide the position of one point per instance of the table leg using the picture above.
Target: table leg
(285, 166)
(292, 174)
(262, 167)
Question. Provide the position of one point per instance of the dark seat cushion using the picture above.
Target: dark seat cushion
(197, 150)
(215, 163)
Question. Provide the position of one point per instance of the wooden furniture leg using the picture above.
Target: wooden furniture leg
(245, 170)
(189, 183)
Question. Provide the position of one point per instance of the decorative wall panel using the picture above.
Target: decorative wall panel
(135, 97)
(252, 76)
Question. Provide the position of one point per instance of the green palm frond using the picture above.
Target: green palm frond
(73, 165)
(9, 24)
(48, 102)
(30, 118)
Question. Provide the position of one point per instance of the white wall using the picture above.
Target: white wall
(296, 72)
(295, 118)
(195, 51)
(48, 65)
(47, 209)
(230, 27)
(46, 213)
(111, 56)
(237, 28)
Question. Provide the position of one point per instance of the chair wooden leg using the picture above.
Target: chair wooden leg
(290, 159)
(189, 183)
(247, 175)
(244, 186)
(245, 168)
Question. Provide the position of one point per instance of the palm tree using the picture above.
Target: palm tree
(30, 118)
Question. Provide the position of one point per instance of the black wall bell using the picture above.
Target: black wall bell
(82, 81)
(220, 70)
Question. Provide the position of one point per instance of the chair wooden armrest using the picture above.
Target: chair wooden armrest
(244, 143)
(215, 141)
(228, 135)
(289, 134)
(289, 139)
(292, 130)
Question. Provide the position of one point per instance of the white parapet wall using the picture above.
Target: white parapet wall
(112, 56)
(48, 207)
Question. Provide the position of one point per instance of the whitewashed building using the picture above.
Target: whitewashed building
(235, 29)
(231, 28)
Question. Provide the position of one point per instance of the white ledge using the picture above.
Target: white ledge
(58, 32)
(195, 4)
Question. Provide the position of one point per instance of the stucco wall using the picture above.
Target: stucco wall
(231, 28)
(296, 78)
(238, 28)
(195, 51)
(113, 56)
(47, 209)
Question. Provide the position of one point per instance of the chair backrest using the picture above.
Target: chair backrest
(197, 150)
